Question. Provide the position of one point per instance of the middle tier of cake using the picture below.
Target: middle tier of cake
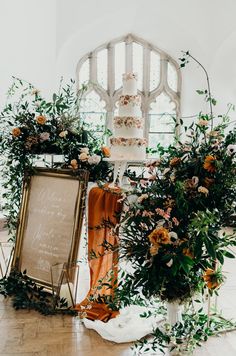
(129, 105)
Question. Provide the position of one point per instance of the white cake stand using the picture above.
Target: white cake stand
(120, 166)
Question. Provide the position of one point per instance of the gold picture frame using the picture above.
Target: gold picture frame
(50, 222)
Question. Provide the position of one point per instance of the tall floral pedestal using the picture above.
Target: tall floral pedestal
(174, 312)
(174, 315)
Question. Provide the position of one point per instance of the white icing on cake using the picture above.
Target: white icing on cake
(128, 142)
(135, 153)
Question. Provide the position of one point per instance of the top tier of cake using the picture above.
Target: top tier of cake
(130, 83)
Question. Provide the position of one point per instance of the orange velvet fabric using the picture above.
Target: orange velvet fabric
(103, 205)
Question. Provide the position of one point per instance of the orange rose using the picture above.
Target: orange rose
(74, 164)
(159, 235)
(106, 151)
(175, 161)
(210, 164)
(16, 132)
(41, 119)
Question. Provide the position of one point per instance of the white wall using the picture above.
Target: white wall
(43, 40)
(27, 43)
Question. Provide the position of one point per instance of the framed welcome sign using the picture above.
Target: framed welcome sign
(50, 222)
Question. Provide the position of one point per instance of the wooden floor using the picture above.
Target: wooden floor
(27, 333)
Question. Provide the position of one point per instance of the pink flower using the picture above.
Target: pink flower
(143, 183)
(44, 136)
(164, 214)
(148, 214)
(175, 221)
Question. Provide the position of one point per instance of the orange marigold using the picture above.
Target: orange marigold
(16, 132)
(210, 164)
(41, 119)
(106, 151)
(175, 161)
(211, 277)
(159, 235)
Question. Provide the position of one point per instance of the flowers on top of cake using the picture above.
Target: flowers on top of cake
(121, 141)
(128, 76)
(130, 99)
(128, 121)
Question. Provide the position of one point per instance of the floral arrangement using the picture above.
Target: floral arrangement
(31, 125)
(127, 121)
(171, 232)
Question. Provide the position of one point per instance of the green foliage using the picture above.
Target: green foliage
(31, 125)
(184, 337)
(26, 294)
(189, 197)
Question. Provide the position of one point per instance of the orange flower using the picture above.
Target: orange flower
(212, 278)
(41, 119)
(154, 250)
(106, 151)
(16, 132)
(175, 161)
(187, 252)
(159, 235)
(210, 163)
(74, 164)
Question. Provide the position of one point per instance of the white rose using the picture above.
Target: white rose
(95, 159)
(84, 150)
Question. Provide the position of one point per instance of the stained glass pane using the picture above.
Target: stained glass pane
(119, 64)
(161, 114)
(172, 77)
(84, 73)
(102, 68)
(155, 67)
(93, 111)
(138, 63)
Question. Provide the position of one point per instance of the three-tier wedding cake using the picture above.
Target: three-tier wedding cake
(128, 142)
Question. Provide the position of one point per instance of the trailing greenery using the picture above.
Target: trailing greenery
(183, 338)
(26, 294)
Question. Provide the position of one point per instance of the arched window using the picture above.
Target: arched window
(159, 83)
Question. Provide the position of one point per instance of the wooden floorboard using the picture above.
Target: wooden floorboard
(27, 333)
